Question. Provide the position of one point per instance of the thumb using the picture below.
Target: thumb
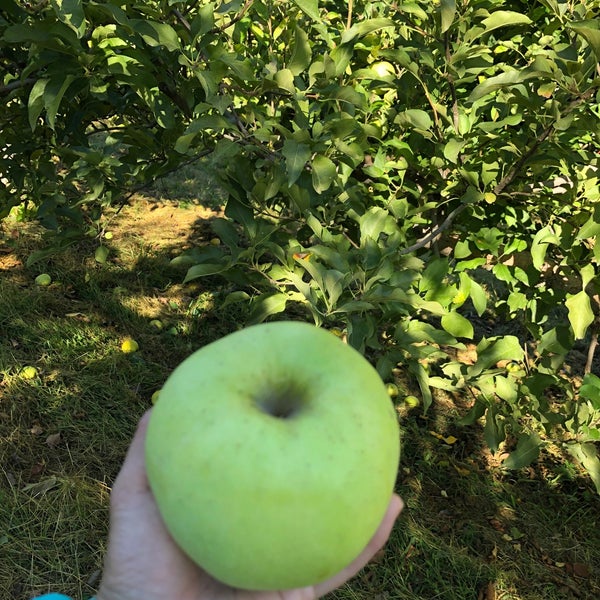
(132, 477)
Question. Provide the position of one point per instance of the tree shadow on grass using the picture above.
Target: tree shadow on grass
(471, 528)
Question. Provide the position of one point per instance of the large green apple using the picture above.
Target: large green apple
(272, 454)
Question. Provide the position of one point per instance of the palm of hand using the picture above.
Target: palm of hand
(144, 563)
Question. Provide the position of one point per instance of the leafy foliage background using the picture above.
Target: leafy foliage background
(404, 172)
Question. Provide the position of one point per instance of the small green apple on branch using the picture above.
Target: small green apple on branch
(272, 455)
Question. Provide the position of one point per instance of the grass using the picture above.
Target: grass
(469, 531)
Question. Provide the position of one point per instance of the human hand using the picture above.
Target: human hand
(144, 563)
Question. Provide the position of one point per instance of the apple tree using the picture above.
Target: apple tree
(421, 176)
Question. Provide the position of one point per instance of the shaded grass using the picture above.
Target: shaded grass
(64, 432)
(469, 529)
(467, 525)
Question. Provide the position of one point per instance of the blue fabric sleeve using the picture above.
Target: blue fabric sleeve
(54, 596)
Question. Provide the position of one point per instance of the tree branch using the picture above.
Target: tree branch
(15, 85)
(238, 17)
(182, 20)
(436, 232)
(451, 83)
(520, 163)
(350, 9)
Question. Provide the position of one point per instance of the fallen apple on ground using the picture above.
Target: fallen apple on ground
(29, 372)
(43, 280)
(272, 455)
(129, 345)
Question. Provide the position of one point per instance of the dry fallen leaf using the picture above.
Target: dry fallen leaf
(53, 440)
(378, 556)
(487, 592)
(497, 525)
(41, 487)
(38, 468)
(36, 430)
(580, 570)
(462, 471)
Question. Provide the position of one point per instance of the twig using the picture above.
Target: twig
(591, 352)
(516, 168)
(352, 242)
(238, 17)
(436, 119)
(350, 9)
(14, 85)
(436, 232)
(451, 82)
(519, 164)
(182, 20)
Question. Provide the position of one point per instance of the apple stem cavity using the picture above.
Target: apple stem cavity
(282, 404)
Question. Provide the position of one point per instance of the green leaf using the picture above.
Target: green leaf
(478, 297)
(591, 228)
(502, 272)
(156, 34)
(301, 52)
(267, 305)
(323, 173)
(373, 223)
(226, 231)
(310, 8)
(416, 118)
(204, 123)
(557, 340)
(581, 315)
(333, 283)
(361, 328)
(506, 79)
(160, 106)
(234, 298)
(452, 149)
(364, 28)
(590, 31)
(493, 430)
(53, 95)
(448, 12)
(296, 155)
(423, 380)
(203, 270)
(587, 272)
(527, 450)
(506, 388)
(101, 254)
(354, 306)
(457, 325)
(35, 103)
(490, 351)
(539, 245)
(502, 18)
(285, 80)
(474, 414)
(587, 455)
(590, 389)
(71, 13)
